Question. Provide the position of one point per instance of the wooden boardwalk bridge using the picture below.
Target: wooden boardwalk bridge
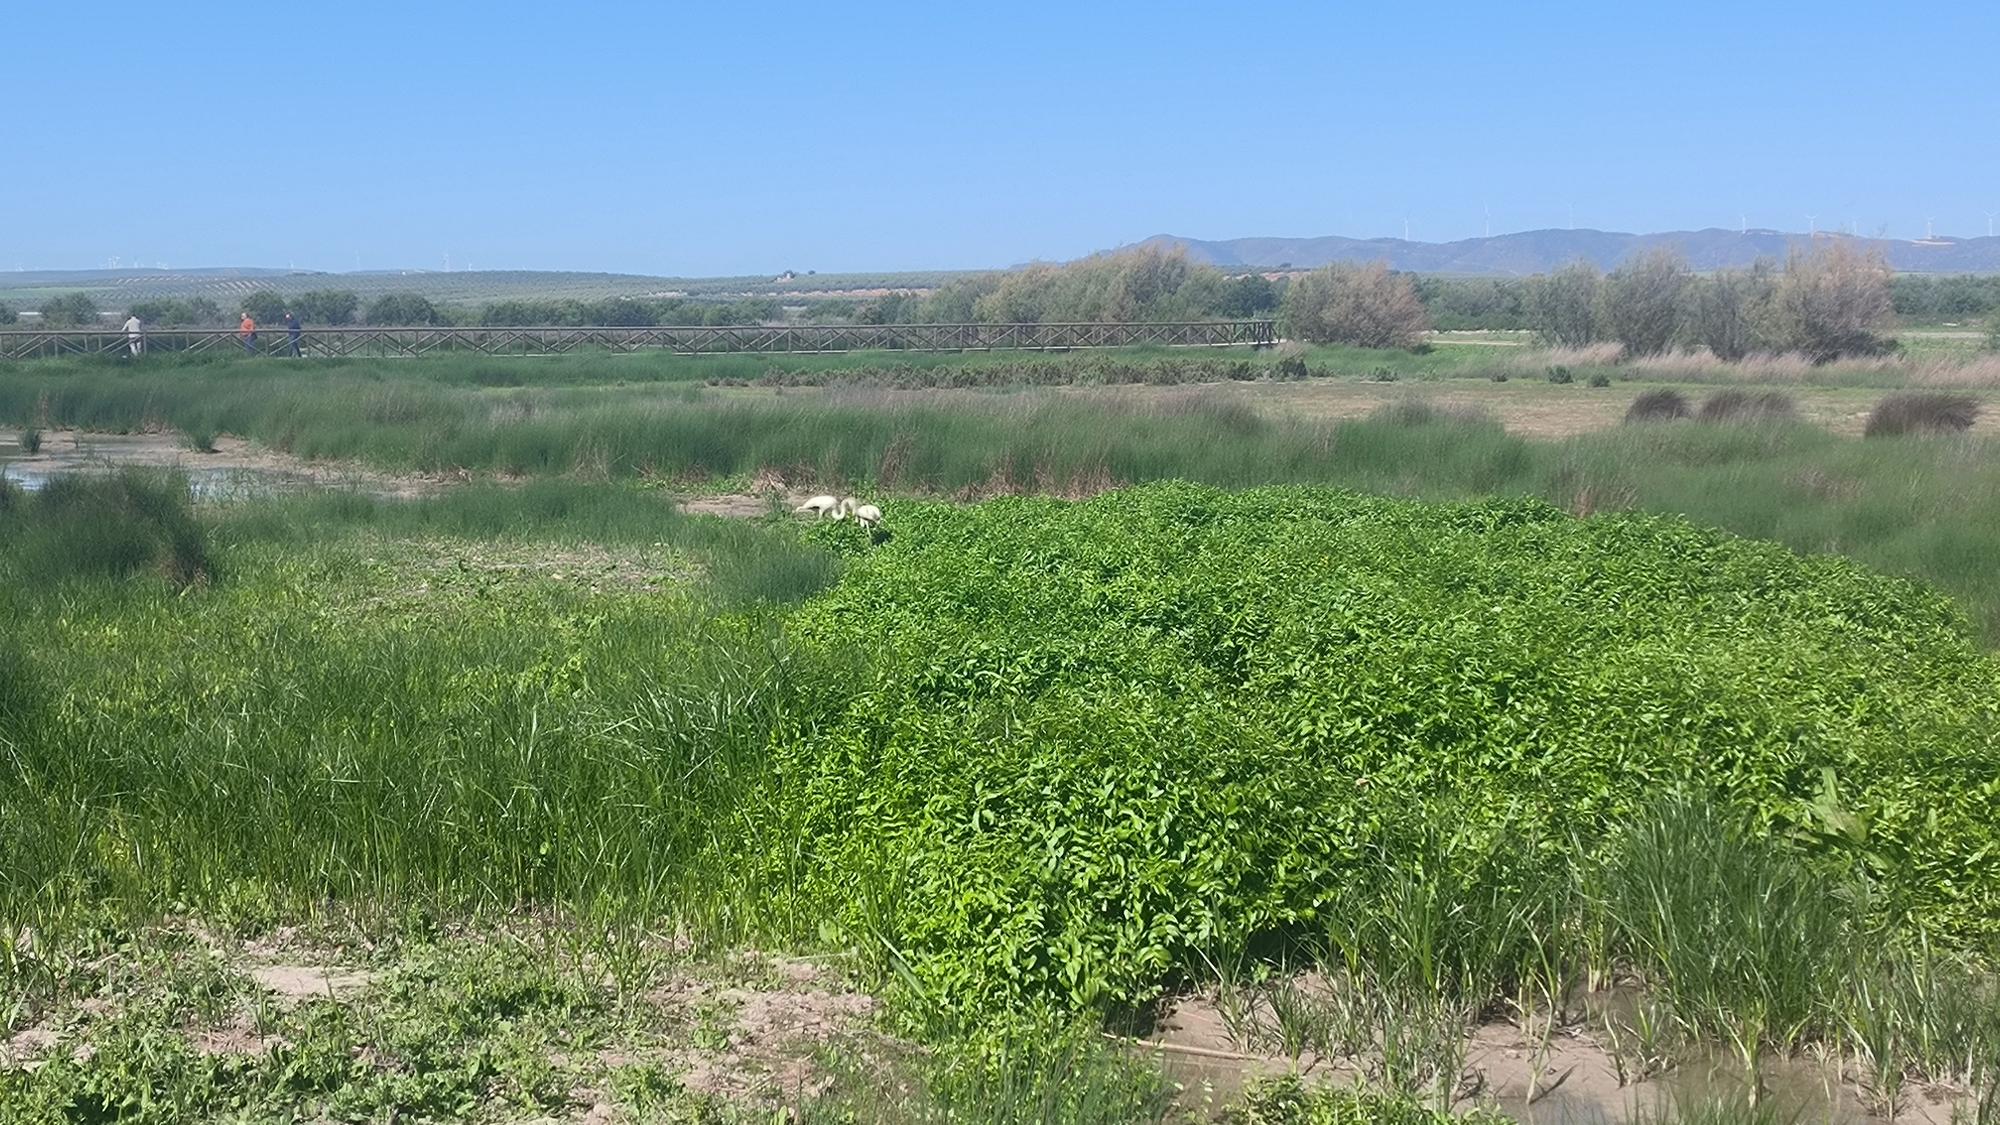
(371, 341)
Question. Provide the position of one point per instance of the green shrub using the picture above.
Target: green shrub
(1600, 379)
(1559, 373)
(1103, 744)
(31, 440)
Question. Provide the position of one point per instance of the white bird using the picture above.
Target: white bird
(825, 506)
(867, 515)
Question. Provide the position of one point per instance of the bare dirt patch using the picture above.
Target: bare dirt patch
(754, 1037)
(295, 983)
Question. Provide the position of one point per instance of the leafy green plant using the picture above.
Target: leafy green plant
(1036, 793)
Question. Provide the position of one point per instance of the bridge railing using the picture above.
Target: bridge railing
(523, 340)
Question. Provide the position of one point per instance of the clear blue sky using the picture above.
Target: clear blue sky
(712, 138)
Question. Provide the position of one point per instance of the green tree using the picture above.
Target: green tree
(71, 310)
(1249, 295)
(957, 301)
(326, 306)
(1563, 306)
(399, 309)
(202, 310)
(7, 313)
(1348, 304)
(1644, 300)
(1730, 313)
(620, 312)
(264, 306)
(1835, 302)
(1142, 284)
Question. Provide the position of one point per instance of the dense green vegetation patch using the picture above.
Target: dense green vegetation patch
(1101, 744)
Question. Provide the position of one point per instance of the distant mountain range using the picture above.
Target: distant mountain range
(1539, 251)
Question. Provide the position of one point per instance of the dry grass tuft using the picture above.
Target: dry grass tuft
(1748, 406)
(1921, 412)
(1658, 406)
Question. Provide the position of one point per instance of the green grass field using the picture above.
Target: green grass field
(535, 798)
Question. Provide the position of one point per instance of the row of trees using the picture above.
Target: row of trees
(1831, 303)
(340, 306)
(1143, 284)
(1502, 303)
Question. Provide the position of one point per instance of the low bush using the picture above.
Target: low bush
(31, 440)
(1748, 406)
(1560, 374)
(1659, 406)
(1922, 412)
(1600, 379)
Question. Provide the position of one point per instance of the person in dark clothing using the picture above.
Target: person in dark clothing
(292, 329)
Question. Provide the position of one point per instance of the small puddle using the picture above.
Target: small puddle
(236, 471)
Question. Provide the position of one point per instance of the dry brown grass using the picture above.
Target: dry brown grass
(1938, 371)
(1699, 365)
(1536, 361)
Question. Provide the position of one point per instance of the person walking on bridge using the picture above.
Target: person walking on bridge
(247, 332)
(135, 335)
(292, 330)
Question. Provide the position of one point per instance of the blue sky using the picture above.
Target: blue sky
(708, 138)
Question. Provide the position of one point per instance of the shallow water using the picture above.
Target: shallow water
(100, 453)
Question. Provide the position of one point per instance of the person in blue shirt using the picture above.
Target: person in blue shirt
(292, 329)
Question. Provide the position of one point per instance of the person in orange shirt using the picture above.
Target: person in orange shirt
(247, 331)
